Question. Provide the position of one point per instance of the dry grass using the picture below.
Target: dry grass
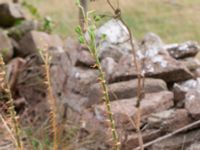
(173, 20)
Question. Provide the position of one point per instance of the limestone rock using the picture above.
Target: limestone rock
(84, 59)
(73, 49)
(147, 135)
(181, 89)
(158, 66)
(34, 41)
(60, 71)
(80, 80)
(112, 51)
(177, 142)
(6, 48)
(192, 104)
(152, 45)
(191, 63)
(183, 50)
(117, 41)
(18, 31)
(152, 103)
(194, 146)
(169, 120)
(126, 89)
(10, 13)
(108, 65)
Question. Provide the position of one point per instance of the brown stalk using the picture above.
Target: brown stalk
(170, 134)
(140, 93)
(52, 101)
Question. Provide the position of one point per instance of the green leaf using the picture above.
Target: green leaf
(97, 18)
(78, 2)
(81, 39)
(103, 37)
(78, 30)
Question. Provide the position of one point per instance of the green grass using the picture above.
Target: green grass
(173, 22)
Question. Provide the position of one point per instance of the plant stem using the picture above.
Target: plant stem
(5, 86)
(52, 103)
(107, 101)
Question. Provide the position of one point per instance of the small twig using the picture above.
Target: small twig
(8, 129)
(170, 134)
(140, 92)
(110, 4)
(11, 108)
(52, 102)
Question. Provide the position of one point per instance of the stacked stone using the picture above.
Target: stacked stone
(171, 85)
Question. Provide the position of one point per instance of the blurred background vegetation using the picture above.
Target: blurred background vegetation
(173, 20)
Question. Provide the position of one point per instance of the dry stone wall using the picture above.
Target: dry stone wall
(172, 81)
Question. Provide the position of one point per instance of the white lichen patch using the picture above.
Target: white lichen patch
(151, 52)
(159, 60)
(191, 97)
(192, 84)
(115, 31)
(184, 46)
(149, 68)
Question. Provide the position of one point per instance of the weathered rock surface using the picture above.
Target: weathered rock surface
(126, 89)
(183, 50)
(147, 135)
(192, 104)
(194, 146)
(18, 31)
(196, 73)
(74, 101)
(125, 108)
(10, 14)
(30, 81)
(34, 41)
(177, 142)
(80, 80)
(169, 120)
(152, 45)
(112, 51)
(158, 66)
(116, 34)
(73, 49)
(13, 69)
(6, 49)
(108, 65)
(191, 63)
(79, 96)
(85, 59)
(60, 71)
(181, 89)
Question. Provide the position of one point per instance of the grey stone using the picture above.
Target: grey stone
(34, 41)
(183, 50)
(152, 45)
(181, 89)
(169, 120)
(194, 146)
(126, 89)
(108, 65)
(80, 80)
(191, 63)
(18, 31)
(6, 48)
(85, 59)
(158, 66)
(180, 141)
(73, 49)
(125, 108)
(10, 14)
(192, 104)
